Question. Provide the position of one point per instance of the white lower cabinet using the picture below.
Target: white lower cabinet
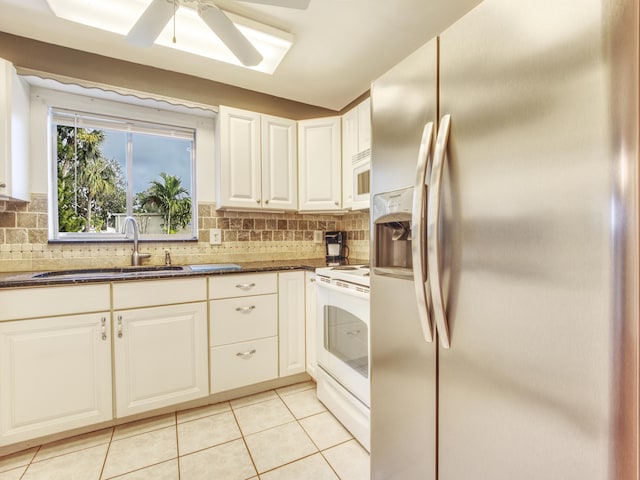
(310, 322)
(291, 292)
(245, 363)
(69, 354)
(55, 372)
(160, 352)
(160, 357)
(243, 330)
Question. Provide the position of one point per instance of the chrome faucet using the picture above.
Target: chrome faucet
(136, 256)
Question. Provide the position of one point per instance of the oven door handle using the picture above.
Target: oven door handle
(419, 234)
(343, 291)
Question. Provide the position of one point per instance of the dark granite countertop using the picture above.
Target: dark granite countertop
(26, 279)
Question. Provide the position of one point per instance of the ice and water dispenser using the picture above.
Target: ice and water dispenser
(391, 214)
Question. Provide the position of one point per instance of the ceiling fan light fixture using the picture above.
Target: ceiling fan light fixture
(194, 36)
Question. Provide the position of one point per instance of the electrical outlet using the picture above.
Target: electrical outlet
(317, 236)
(215, 236)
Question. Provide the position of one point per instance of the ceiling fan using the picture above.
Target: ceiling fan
(154, 19)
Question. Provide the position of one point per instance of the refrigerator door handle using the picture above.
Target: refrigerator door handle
(418, 234)
(433, 231)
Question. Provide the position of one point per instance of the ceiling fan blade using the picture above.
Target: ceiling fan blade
(298, 4)
(233, 38)
(151, 23)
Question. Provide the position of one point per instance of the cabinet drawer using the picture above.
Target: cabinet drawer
(158, 292)
(241, 364)
(236, 320)
(53, 301)
(227, 286)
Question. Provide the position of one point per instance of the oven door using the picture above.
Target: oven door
(343, 337)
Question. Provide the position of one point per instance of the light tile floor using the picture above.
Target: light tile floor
(282, 434)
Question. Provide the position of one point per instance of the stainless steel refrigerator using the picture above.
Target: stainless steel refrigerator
(514, 249)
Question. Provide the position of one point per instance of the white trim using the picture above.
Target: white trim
(104, 91)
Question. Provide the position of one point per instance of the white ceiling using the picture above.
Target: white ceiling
(340, 46)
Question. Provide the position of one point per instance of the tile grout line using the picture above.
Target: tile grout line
(321, 452)
(244, 441)
(106, 455)
(177, 444)
(30, 462)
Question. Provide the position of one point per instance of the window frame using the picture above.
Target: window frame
(172, 117)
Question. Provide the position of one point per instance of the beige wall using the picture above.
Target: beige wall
(45, 57)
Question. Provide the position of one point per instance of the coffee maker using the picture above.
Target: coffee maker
(336, 247)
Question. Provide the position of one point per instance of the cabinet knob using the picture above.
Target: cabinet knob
(3, 185)
(266, 202)
(336, 203)
(258, 200)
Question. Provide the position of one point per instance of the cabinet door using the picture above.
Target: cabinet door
(14, 134)
(55, 375)
(238, 170)
(279, 164)
(160, 356)
(364, 125)
(291, 288)
(310, 322)
(349, 149)
(245, 363)
(240, 319)
(320, 164)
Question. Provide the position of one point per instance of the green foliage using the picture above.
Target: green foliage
(89, 186)
(169, 198)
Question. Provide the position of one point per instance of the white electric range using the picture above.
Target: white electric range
(343, 345)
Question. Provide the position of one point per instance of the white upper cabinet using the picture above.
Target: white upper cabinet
(364, 125)
(319, 179)
(279, 163)
(256, 165)
(356, 154)
(349, 149)
(14, 134)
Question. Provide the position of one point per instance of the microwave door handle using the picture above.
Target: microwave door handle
(418, 234)
(433, 231)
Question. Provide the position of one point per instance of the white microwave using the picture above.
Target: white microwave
(361, 163)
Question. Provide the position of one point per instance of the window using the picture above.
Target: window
(106, 168)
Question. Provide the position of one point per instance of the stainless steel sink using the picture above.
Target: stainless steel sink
(111, 272)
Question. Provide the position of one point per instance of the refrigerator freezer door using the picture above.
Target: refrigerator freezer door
(403, 368)
(540, 243)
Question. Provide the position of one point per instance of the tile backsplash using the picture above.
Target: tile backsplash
(246, 236)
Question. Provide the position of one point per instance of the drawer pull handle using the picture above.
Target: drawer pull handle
(246, 354)
(354, 332)
(245, 286)
(103, 322)
(245, 309)
(119, 326)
